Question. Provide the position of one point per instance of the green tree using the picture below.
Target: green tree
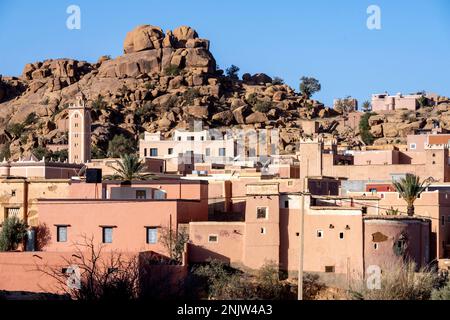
(309, 86)
(12, 234)
(118, 146)
(364, 129)
(232, 72)
(410, 188)
(130, 168)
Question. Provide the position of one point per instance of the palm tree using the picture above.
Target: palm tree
(130, 168)
(410, 188)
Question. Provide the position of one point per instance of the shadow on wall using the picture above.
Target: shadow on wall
(199, 254)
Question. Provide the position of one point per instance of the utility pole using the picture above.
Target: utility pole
(302, 237)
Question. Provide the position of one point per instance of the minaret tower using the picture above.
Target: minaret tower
(79, 131)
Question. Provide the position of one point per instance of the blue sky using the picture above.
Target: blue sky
(326, 39)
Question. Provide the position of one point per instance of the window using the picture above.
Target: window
(207, 152)
(107, 234)
(319, 233)
(179, 138)
(141, 194)
(263, 230)
(329, 269)
(286, 204)
(297, 234)
(190, 138)
(76, 115)
(443, 220)
(76, 125)
(341, 235)
(12, 212)
(376, 246)
(152, 235)
(202, 138)
(170, 151)
(261, 213)
(145, 152)
(413, 146)
(61, 234)
(153, 152)
(222, 152)
(213, 238)
(364, 210)
(290, 183)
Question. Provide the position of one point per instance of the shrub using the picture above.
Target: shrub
(399, 281)
(268, 282)
(5, 152)
(97, 153)
(277, 81)
(252, 99)
(31, 118)
(172, 70)
(174, 241)
(364, 128)
(12, 234)
(232, 72)
(16, 129)
(263, 106)
(99, 103)
(441, 294)
(41, 152)
(60, 155)
(45, 101)
(190, 94)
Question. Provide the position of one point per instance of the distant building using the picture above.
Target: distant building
(386, 102)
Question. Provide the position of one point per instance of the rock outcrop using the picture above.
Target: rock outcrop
(161, 82)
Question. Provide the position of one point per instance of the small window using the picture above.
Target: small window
(207, 152)
(107, 234)
(413, 146)
(376, 246)
(13, 193)
(329, 269)
(364, 210)
(61, 234)
(202, 138)
(297, 234)
(76, 115)
(190, 138)
(213, 238)
(170, 151)
(286, 204)
(319, 233)
(341, 235)
(261, 213)
(145, 152)
(443, 220)
(153, 152)
(263, 230)
(152, 235)
(222, 152)
(76, 125)
(141, 194)
(12, 212)
(290, 183)
(179, 138)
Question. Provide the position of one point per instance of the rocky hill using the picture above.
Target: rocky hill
(161, 82)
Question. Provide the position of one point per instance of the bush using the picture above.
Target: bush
(172, 70)
(232, 72)
(441, 294)
(5, 152)
(31, 118)
(12, 234)
(190, 94)
(263, 106)
(60, 155)
(277, 81)
(16, 129)
(119, 146)
(99, 104)
(399, 281)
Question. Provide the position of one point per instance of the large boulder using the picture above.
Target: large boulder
(223, 118)
(183, 34)
(256, 117)
(241, 113)
(144, 37)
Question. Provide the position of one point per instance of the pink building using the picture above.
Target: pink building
(385, 102)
